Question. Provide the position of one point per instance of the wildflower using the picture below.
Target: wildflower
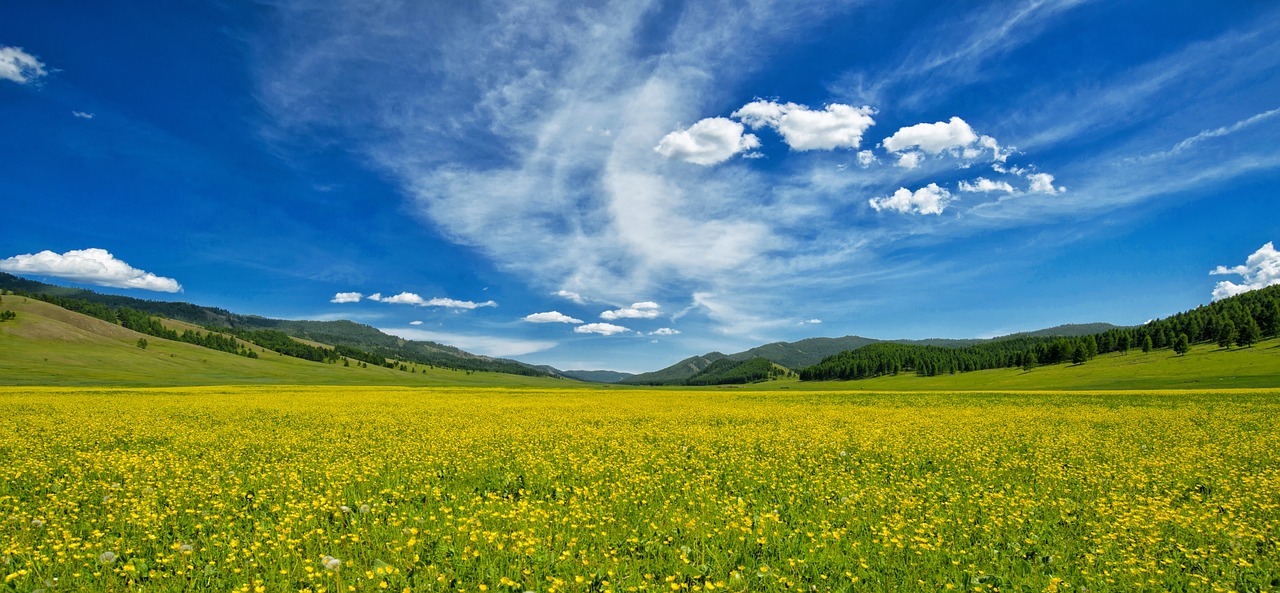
(330, 563)
(364, 508)
(107, 557)
(37, 523)
(186, 548)
(345, 509)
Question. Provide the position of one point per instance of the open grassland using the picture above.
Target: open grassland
(49, 345)
(370, 489)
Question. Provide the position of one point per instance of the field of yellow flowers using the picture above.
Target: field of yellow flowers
(397, 489)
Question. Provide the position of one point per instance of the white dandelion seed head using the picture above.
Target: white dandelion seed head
(186, 548)
(331, 563)
(37, 523)
(344, 508)
(364, 508)
(107, 557)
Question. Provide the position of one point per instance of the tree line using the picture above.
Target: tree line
(1240, 321)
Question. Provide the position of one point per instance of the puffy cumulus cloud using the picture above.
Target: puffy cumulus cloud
(346, 297)
(604, 329)
(19, 66)
(984, 185)
(836, 126)
(708, 142)
(643, 310)
(932, 138)
(929, 199)
(410, 298)
(377, 296)
(90, 266)
(1260, 270)
(550, 317)
(1042, 183)
(910, 160)
(664, 331)
(866, 158)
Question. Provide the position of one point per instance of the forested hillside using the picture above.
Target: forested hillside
(1237, 321)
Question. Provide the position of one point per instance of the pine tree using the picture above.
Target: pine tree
(1182, 345)
(1226, 334)
(1146, 344)
(1248, 333)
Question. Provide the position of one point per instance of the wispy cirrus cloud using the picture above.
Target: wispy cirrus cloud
(555, 142)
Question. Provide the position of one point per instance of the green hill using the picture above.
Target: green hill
(48, 345)
(333, 333)
(1204, 366)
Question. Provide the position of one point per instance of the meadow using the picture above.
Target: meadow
(449, 489)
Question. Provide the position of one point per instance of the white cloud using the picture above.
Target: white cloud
(1042, 183)
(550, 317)
(1209, 134)
(643, 310)
(984, 185)
(932, 138)
(346, 297)
(90, 266)
(405, 298)
(415, 323)
(82, 114)
(573, 296)
(836, 126)
(604, 329)
(455, 304)
(19, 66)
(486, 345)
(811, 322)
(929, 199)
(664, 331)
(1260, 270)
(910, 160)
(866, 158)
(708, 142)
(377, 296)
(410, 298)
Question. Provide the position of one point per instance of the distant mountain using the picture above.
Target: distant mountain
(335, 333)
(676, 373)
(597, 376)
(811, 351)
(1070, 330)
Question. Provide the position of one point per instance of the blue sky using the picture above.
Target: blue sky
(626, 184)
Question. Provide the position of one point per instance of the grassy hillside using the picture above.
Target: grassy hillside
(332, 333)
(48, 345)
(1205, 366)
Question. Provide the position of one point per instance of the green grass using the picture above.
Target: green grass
(48, 345)
(1205, 367)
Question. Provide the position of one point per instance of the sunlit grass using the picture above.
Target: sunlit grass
(360, 489)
